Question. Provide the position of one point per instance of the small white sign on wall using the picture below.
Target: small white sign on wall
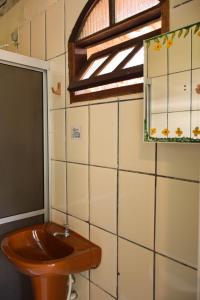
(75, 133)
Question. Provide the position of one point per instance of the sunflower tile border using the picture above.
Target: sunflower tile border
(167, 39)
(148, 137)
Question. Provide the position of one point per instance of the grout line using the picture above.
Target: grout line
(155, 212)
(45, 30)
(117, 213)
(104, 102)
(176, 261)
(130, 171)
(132, 242)
(89, 195)
(102, 289)
(60, 54)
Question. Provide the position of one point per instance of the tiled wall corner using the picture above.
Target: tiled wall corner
(24, 47)
(56, 76)
(38, 37)
(55, 29)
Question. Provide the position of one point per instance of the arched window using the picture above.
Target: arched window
(106, 46)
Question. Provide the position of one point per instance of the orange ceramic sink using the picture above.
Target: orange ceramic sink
(49, 259)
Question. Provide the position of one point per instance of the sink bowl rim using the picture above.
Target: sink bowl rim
(12, 255)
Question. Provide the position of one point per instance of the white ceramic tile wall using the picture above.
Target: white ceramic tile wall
(177, 228)
(77, 148)
(103, 198)
(58, 185)
(57, 75)
(38, 36)
(55, 29)
(105, 276)
(174, 281)
(57, 131)
(136, 208)
(134, 154)
(77, 191)
(24, 47)
(103, 134)
(135, 272)
(109, 191)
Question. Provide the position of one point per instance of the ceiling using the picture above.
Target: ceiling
(5, 5)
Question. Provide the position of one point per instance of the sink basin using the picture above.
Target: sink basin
(49, 259)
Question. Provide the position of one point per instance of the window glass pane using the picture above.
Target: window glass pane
(125, 37)
(97, 20)
(117, 59)
(136, 60)
(93, 67)
(111, 86)
(127, 8)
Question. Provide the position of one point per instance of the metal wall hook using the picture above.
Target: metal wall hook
(57, 91)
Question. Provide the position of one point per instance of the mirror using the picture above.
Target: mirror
(172, 86)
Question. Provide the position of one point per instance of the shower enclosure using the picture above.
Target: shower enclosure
(23, 157)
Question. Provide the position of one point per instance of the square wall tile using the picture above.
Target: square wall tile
(195, 116)
(179, 91)
(38, 37)
(195, 49)
(195, 83)
(58, 185)
(103, 198)
(79, 226)
(57, 75)
(82, 287)
(98, 294)
(58, 217)
(180, 54)
(136, 272)
(158, 58)
(24, 47)
(179, 120)
(77, 191)
(103, 134)
(134, 154)
(158, 122)
(179, 160)
(159, 94)
(174, 281)
(55, 29)
(177, 219)
(136, 207)
(77, 147)
(105, 276)
(57, 132)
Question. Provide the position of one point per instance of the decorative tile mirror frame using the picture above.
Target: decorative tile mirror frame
(172, 86)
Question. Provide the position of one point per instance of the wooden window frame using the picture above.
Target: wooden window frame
(77, 51)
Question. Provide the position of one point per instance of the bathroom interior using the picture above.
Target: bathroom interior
(99, 136)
